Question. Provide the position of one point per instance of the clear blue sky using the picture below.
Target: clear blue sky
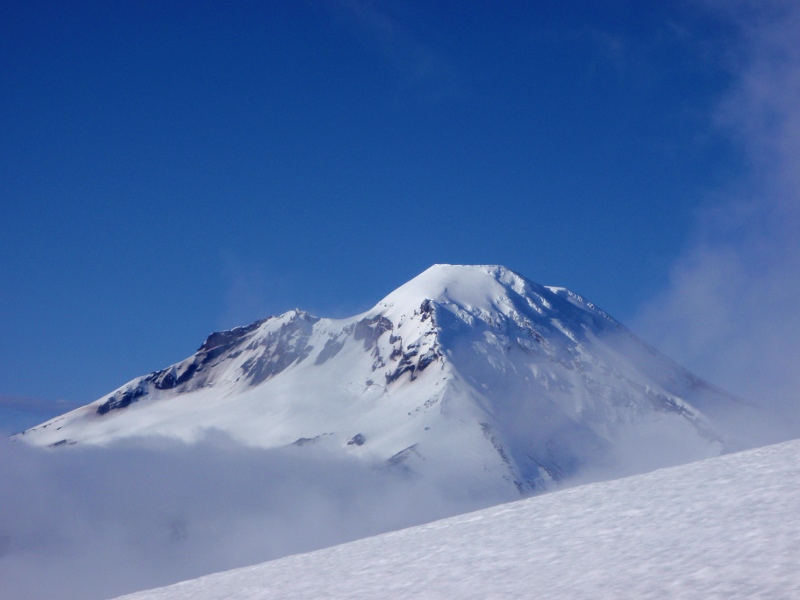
(170, 169)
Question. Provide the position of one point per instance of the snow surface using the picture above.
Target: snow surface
(727, 527)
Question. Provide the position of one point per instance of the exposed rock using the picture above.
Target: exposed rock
(329, 350)
(370, 330)
(357, 440)
(228, 339)
(282, 348)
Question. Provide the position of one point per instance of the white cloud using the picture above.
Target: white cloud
(730, 311)
(84, 523)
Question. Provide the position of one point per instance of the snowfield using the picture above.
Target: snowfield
(726, 527)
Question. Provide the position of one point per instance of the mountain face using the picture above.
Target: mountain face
(465, 371)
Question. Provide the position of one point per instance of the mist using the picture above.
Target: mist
(96, 522)
(19, 413)
(729, 311)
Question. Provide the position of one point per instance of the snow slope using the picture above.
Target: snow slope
(465, 371)
(727, 527)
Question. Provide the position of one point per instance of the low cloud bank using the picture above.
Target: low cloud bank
(85, 523)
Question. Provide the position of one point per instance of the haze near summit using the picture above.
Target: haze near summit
(170, 172)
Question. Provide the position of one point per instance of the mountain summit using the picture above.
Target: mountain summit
(464, 371)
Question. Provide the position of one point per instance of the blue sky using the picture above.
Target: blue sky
(167, 170)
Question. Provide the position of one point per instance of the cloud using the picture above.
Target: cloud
(250, 294)
(18, 413)
(422, 70)
(730, 310)
(84, 522)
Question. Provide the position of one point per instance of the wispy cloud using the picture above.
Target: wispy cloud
(18, 412)
(730, 311)
(251, 293)
(420, 68)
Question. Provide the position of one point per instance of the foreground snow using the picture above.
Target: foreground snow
(727, 527)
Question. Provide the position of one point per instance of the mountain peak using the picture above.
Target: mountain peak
(476, 286)
(532, 383)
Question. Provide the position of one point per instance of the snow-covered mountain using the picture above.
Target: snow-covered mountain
(468, 371)
(727, 527)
